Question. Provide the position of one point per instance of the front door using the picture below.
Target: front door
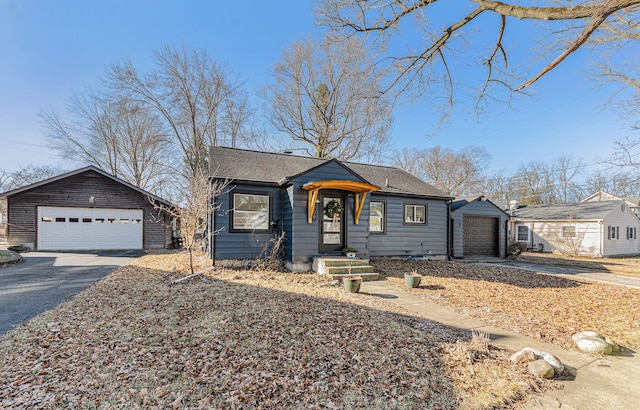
(332, 225)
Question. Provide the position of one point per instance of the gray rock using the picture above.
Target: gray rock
(525, 355)
(593, 342)
(542, 369)
(529, 355)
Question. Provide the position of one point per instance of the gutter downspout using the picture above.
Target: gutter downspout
(601, 223)
(449, 227)
(212, 226)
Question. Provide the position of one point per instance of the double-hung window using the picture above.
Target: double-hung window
(415, 214)
(250, 212)
(522, 233)
(569, 231)
(632, 232)
(377, 217)
(613, 232)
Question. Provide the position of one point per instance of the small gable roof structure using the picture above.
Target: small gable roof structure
(463, 201)
(478, 228)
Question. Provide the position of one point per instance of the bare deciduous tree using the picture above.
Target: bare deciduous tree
(455, 173)
(192, 207)
(452, 31)
(114, 134)
(200, 102)
(326, 98)
(25, 176)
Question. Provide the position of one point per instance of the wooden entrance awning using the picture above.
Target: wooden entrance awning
(360, 189)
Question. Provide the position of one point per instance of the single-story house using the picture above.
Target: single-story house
(478, 228)
(85, 209)
(322, 206)
(632, 202)
(598, 228)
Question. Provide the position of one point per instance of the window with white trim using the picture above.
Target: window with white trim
(613, 232)
(377, 217)
(250, 212)
(632, 232)
(415, 214)
(522, 233)
(569, 231)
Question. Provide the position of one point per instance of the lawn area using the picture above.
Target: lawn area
(622, 265)
(246, 340)
(539, 306)
(4, 256)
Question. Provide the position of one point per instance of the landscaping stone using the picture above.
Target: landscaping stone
(593, 342)
(529, 355)
(525, 355)
(540, 368)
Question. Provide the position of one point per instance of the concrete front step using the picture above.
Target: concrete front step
(339, 267)
(364, 276)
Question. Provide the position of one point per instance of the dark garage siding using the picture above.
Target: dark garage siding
(75, 191)
(480, 236)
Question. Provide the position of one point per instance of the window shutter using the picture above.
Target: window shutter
(609, 232)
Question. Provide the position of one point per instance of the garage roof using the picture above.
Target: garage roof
(77, 172)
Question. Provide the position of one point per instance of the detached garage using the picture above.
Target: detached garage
(478, 228)
(86, 209)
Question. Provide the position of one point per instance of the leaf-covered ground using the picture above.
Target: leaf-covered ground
(245, 340)
(622, 266)
(540, 306)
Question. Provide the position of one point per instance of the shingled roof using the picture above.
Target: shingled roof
(591, 211)
(278, 169)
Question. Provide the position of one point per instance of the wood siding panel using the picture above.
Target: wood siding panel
(242, 245)
(75, 191)
(305, 235)
(411, 240)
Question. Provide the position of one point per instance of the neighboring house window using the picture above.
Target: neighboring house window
(613, 232)
(415, 214)
(377, 217)
(250, 212)
(632, 232)
(522, 234)
(569, 231)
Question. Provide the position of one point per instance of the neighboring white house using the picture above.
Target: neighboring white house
(633, 202)
(593, 228)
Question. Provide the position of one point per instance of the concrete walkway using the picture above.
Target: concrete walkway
(601, 382)
(574, 273)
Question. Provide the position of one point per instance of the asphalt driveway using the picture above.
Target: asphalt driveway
(576, 273)
(46, 279)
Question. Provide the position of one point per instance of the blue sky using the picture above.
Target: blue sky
(50, 48)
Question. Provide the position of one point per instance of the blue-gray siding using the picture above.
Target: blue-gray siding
(290, 209)
(476, 208)
(241, 245)
(304, 244)
(411, 240)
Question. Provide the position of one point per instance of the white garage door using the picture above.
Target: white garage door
(89, 228)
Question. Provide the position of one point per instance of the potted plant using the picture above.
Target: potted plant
(412, 279)
(349, 252)
(352, 283)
